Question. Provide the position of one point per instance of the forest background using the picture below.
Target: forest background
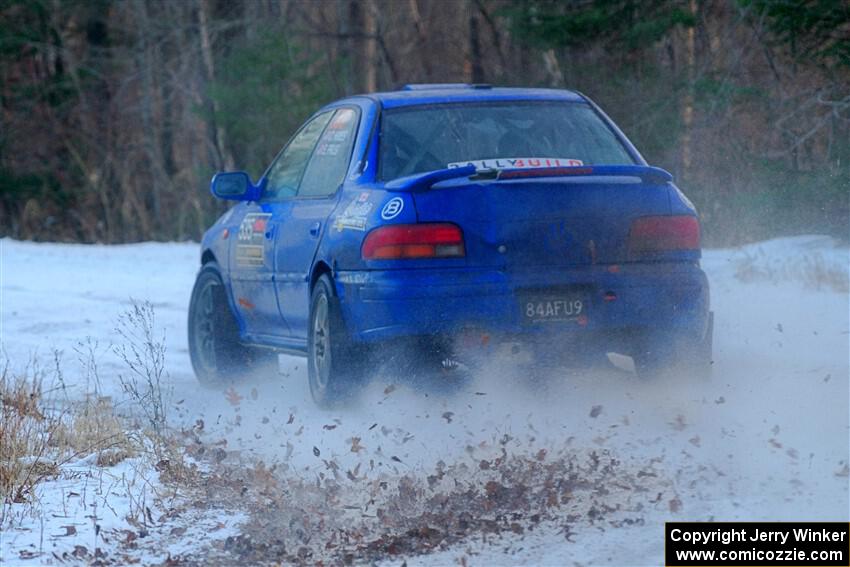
(115, 114)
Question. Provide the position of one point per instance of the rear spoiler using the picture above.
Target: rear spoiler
(424, 181)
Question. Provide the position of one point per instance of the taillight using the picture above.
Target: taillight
(650, 235)
(426, 240)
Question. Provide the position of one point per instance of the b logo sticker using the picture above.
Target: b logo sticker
(392, 209)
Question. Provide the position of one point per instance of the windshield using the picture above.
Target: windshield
(425, 138)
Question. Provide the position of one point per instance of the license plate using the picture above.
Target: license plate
(542, 309)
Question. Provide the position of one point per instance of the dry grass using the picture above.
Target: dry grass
(41, 427)
(27, 435)
(38, 433)
(142, 349)
(813, 271)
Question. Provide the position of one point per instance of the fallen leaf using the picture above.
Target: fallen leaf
(316, 451)
(679, 424)
(69, 531)
(448, 416)
(291, 418)
(329, 427)
(389, 389)
(233, 396)
(595, 411)
(675, 505)
(81, 551)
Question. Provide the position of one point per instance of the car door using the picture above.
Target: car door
(252, 257)
(250, 261)
(318, 193)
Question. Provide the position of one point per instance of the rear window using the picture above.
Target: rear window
(424, 138)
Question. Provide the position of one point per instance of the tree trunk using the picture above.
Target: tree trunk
(688, 99)
(225, 159)
(421, 40)
(475, 67)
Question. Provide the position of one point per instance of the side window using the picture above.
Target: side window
(329, 163)
(285, 173)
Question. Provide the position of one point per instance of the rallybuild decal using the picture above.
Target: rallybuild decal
(518, 163)
(354, 215)
(392, 209)
(249, 246)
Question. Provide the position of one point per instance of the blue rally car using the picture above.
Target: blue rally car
(442, 221)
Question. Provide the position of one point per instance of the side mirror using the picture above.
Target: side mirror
(234, 186)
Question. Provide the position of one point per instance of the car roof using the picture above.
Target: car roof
(411, 95)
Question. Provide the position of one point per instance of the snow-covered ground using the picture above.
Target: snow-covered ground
(767, 438)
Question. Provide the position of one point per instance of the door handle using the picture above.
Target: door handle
(314, 229)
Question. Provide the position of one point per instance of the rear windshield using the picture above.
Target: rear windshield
(424, 138)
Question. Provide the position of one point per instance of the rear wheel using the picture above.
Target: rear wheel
(656, 356)
(214, 348)
(334, 365)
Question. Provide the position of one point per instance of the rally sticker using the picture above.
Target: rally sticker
(354, 215)
(342, 119)
(392, 209)
(250, 238)
(518, 163)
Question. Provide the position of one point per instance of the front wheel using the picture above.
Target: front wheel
(333, 363)
(218, 357)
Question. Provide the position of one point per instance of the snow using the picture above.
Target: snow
(766, 438)
(86, 508)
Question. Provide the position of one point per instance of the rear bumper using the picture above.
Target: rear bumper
(390, 304)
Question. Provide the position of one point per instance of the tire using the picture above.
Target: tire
(655, 357)
(218, 357)
(334, 364)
